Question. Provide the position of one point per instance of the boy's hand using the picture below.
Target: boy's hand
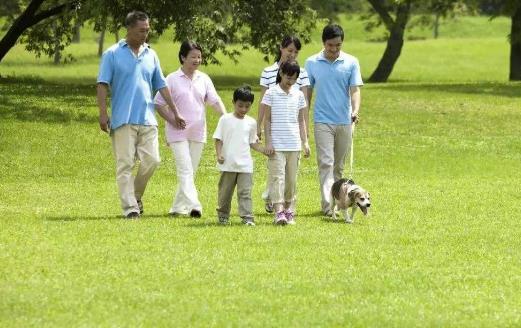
(305, 149)
(259, 133)
(220, 159)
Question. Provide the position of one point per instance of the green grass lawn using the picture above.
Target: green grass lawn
(439, 149)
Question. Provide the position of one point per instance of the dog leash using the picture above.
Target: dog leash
(351, 157)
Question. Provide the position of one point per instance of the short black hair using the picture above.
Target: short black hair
(286, 42)
(243, 93)
(289, 68)
(134, 16)
(186, 46)
(332, 31)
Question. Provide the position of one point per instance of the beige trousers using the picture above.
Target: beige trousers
(131, 143)
(227, 182)
(283, 166)
(332, 142)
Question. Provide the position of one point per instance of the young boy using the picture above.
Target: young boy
(235, 134)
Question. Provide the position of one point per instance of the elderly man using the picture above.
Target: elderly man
(132, 71)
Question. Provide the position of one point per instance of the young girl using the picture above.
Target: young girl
(285, 134)
(288, 51)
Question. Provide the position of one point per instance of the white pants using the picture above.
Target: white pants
(187, 155)
(332, 142)
(131, 143)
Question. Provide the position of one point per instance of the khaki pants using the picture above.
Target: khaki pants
(227, 182)
(332, 142)
(131, 143)
(283, 167)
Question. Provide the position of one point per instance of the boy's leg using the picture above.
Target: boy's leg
(124, 148)
(324, 142)
(227, 183)
(148, 154)
(244, 186)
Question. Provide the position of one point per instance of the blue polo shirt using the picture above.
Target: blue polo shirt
(133, 80)
(331, 82)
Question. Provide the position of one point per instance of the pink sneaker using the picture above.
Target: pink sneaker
(290, 217)
(280, 218)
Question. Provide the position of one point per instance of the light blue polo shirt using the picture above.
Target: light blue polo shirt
(331, 82)
(133, 80)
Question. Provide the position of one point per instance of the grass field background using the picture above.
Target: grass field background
(439, 149)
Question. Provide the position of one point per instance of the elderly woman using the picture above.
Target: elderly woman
(190, 89)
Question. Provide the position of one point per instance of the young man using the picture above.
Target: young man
(336, 80)
(132, 71)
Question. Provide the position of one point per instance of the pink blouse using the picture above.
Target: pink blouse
(190, 97)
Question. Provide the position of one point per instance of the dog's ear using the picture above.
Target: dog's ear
(351, 182)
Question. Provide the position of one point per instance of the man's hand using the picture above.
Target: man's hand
(104, 122)
(355, 118)
(180, 122)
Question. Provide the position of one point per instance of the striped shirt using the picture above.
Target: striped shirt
(269, 77)
(285, 108)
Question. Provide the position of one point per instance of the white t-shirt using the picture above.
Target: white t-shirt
(285, 108)
(236, 135)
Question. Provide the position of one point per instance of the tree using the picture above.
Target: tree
(215, 24)
(512, 9)
(395, 15)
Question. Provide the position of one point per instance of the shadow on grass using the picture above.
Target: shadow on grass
(82, 218)
(496, 89)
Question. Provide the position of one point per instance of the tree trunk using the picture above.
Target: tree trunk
(436, 25)
(515, 46)
(76, 35)
(101, 41)
(27, 19)
(394, 43)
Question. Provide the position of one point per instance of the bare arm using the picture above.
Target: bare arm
(356, 98)
(260, 115)
(179, 120)
(219, 107)
(259, 147)
(218, 151)
(303, 132)
(102, 91)
(267, 130)
(306, 113)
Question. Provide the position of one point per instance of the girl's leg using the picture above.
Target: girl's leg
(277, 164)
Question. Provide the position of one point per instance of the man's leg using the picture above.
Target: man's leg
(324, 141)
(148, 154)
(124, 140)
(342, 148)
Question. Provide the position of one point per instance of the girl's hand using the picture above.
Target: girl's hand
(306, 149)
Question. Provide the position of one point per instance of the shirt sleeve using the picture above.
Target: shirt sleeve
(158, 99)
(303, 77)
(218, 134)
(211, 97)
(106, 70)
(309, 72)
(356, 77)
(263, 79)
(301, 101)
(267, 99)
(158, 79)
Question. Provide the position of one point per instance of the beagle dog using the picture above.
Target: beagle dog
(346, 194)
